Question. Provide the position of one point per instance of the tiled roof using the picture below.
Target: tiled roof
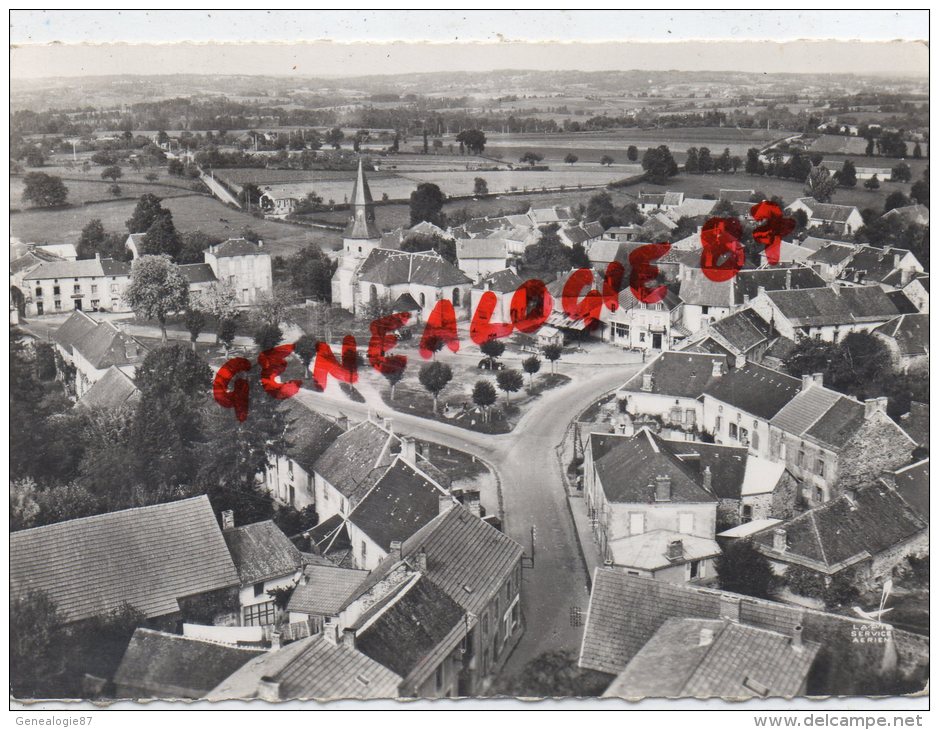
(480, 248)
(158, 665)
(755, 389)
(706, 658)
(824, 306)
(910, 214)
(309, 434)
(31, 259)
(744, 330)
(748, 281)
(832, 253)
(323, 589)
(872, 264)
(411, 625)
(387, 267)
(728, 464)
(197, 273)
(312, 668)
(831, 212)
(261, 551)
(912, 482)
(357, 458)
(902, 302)
(648, 551)
(693, 208)
(147, 556)
(847, 529)
(910, 331)
(651, 199)
(237, 247)
(627, 467)
(106, 345)
(679, 374)
(79, 269)
(402, 501)
(113, 390)
(822, 415)
(603, 251)
(405, 303)
(74, 329)
(916, 423)
(502, 281)
(626, 611)
(700, 290)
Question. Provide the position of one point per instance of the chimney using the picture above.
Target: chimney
(260, 243)
(396, 549)
(275, 640)
(343, 423)
(706, 637)
(388, 424)
(819, 379)
(760, 291)
(420, 560)
(269, 689)
(779, 540)
(675, 550)
(444, 502)
(797, 638)
(97, 255)
(746, 299)
(740, 361)
(897, 260)
(331, 630)
(873, 405)
(807, 382)
(647, 381)
(228, 519)
(730, 607)
(717, 368)
(348, 639)
(409, 451)
(663, 488)
(788, 278)
(706, 479)
(471, 502)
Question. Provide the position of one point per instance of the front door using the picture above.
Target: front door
(656, 342)
(38, 307)
(78, 304)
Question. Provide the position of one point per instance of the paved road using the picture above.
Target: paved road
(533, 494)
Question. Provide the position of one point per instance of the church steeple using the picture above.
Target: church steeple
(362, 221)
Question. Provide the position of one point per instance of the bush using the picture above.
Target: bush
(842, 590)
(45, 361)
(805, 582)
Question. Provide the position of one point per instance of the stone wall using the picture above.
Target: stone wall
(878, 446)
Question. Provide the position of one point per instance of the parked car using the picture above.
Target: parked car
(487, 364)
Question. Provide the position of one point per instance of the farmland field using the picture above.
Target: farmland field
(190, 213)
(82, 191)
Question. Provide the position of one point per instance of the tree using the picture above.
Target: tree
(37, 665)
(35, 157)
(95, 239)
(147, 210)
(310, 203)
(842, 590)
(115, 191)
(272, 308)
(901, 173)
(741, 568)
(112, 172)
(549, 255)
(552, 353)
(473, 139)
(659, 165)
(810, 356)
(193, 245)
(861, 362)
(480, 186)
(896, 199)
(492, 349)
(173, 367)
(305, 349)
(334, 138)
(920, 192)
(157, 288)
(226, 332)
(484, 396)
(309, 272)
(570, 158)
(249, 196)
(607, 160)
(435, 376)
(872, 183)
(104, 158)
(691, 160)
(393, 376)
(555, 674)
(219, 300)
(195, 323)
(705, 163)
(44, 191)
(632, 153)
(723, 162)
(820, 184)
(267, 336)
(531, 365)
(509, 381)
(917, 151)
(847, 176)
(162, 238)
(427, 204)
(532, 158)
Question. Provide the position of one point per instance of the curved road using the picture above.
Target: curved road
(533, 495)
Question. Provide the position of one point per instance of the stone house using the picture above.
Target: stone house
(843, 219)
(907, 338)
(503, 284)
(89, 285)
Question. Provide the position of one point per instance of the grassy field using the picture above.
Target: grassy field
(91, 191)
(190, 213)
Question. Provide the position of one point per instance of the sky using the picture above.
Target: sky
(344, 43)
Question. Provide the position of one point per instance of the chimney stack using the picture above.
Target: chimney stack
(746, 299)
(740, 361)
(873, 405)
(331, 630)
(788, 278)
(647, 381)
(444, 502)
(730, 607)
(706, 479)
(388, 424)
(760, 291)
(675, 550)
(663, 488)
(260, 243)
(420, 560)
(807, 382)
(228, 519)
(717, 368)
(275, 640)
(797, 638)
(343, 423)
(471, 502)
(819, 379)
(396, 549)
(779, 540)
(348, 639)
(706, 637)
(269, 689)
(409, 451)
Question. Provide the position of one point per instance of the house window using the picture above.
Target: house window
(94, 288)
(258, 589)
(819, 495)
(744, 436)
(438, 677)
(686, 523)
(717, 423)
(363, 551)
(689, 417)
(58, 305)
(56, 291)
(456, 297)
(637, 523)
(372, 293)
(115, 288)
(38, 291)
(260, 614)
(755, 441)
(820, 467)
(95, 303)
(495, 645)
(423, 300)
(704, 309)
(801, 462)
(693, 568)
(77, 289)
(290, 468)
(732, 430)
(485, 624)
(747, 513)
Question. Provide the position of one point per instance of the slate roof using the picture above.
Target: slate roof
(916, 423)
(323, 589)
(312, 668)
(402, 501)
(74, 329)
(309, 434)
(845, 530)
(261, 551)
(106, 345)
(79, 269)
(872, 264)
(748, 281)
(237, 247)
(912, 483)
(480, 248)
(755, 389)
(651, 199)
(744, 330)
(690, 657)
(832, 253)
(910, 332)
(693, 208)
(678, 374)
(821, 415)
(158, 665)
(627, 467)
(827, 306)
(648, 550)
(910, 214)
(405, 303)
(113, 390)
(902, 302)
(146, 556)
(728, 464)
(700, 290)
(414, 622)
(197, 273)
(387, 267)
(503, 281)
(356, 459)
(31, 259)
(829, 212)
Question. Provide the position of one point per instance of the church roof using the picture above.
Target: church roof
(362, 221)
